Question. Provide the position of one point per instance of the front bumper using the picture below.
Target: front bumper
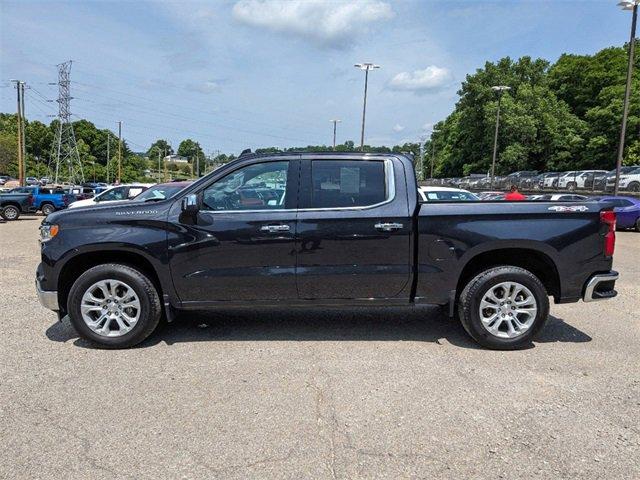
(48, 299)
(600, 287)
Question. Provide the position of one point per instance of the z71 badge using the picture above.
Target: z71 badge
(567, 208)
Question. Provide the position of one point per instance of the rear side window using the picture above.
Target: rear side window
(339, 184)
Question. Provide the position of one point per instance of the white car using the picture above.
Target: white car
(573, 180)
(630, 181)
(446, 194)
(113, 194)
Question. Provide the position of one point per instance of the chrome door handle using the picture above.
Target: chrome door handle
(275, 228)
(388, 227)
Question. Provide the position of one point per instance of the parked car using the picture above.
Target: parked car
(627, 210)
(113, 194)
(516, 178)
(350, 231)
(630, 181)
(560, 197)
(574, 180)
(491, 195)
(45, 199)
(45, 181)
(32, 181)
(12, 204)
(551, 179)
(439, 194)
(628, 177)
(161, 191)
(596, 181)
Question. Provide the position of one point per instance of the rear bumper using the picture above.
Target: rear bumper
(600, 287)
(48, 299)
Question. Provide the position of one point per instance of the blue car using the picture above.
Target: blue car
(627, 210)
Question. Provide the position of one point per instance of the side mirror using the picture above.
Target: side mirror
(190, 204)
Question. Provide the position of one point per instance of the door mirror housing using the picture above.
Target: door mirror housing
(190, 204)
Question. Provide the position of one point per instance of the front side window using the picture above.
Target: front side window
(260, 186)
(340, 184)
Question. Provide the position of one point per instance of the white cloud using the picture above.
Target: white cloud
(421, 81)
(427, 127)
(328, 24)
(209, 86)
(398, 128)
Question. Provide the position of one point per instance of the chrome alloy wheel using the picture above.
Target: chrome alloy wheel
(508, 310)
(110, 308)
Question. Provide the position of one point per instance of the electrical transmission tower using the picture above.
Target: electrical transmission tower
(67, 158)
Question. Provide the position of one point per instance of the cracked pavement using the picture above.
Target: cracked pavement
(363, 393)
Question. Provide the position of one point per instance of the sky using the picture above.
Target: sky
(258, 73)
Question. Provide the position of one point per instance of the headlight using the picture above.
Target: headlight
(47, 232)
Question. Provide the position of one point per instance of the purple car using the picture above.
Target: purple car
(627, 210)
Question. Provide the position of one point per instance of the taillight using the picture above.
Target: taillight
(608, 217)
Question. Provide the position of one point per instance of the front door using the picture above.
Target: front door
(354, 229)
(241, 245)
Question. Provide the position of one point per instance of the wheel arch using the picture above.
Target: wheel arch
(535, 261)
(81, 262)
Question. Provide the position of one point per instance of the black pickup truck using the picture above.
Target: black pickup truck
(329, 229)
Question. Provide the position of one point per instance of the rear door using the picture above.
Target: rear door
(354, 229)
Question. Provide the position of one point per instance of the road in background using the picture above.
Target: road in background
(323, 394)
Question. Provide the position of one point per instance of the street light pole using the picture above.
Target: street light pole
(500, 89)
(366, 67)
(633, 6)
(335, 123)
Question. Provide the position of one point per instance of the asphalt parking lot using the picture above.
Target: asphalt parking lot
(323, 394)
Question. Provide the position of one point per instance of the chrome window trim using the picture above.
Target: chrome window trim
(390, 183)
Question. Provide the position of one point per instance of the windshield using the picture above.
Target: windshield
(449, 196)
(159, 192)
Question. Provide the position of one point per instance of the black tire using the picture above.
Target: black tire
(11, 212)
(638, 225)
(571, 186)
(47, 209)
(634, 187)
(150, 307)
(473, 293)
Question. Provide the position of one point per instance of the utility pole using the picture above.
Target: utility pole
(197, 164)
(335, 123)
(19, 113)
(633, 6)
(108, 157)
(119, 152)
(500, 89)
(159, 172)
(24, 137)
(366, 67)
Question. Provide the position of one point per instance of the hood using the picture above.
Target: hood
(112, 212)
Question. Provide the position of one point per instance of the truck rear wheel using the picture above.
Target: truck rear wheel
(114, 306)
(48, 209)
(504, 307)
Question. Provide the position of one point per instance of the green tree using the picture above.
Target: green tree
(190, 149)
(160, 146)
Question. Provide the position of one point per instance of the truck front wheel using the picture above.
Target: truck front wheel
(114, 306)
(504, 307)
(11, 212)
